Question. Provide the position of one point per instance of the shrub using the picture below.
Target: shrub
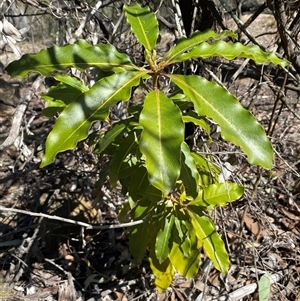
(170, 187)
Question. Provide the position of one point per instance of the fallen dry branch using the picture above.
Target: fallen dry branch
(247, 290)
(70, 221)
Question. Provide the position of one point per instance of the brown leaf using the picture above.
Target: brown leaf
(254, 226)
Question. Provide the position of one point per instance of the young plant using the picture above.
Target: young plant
(171, 187)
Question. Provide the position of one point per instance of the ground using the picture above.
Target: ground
(43, 258)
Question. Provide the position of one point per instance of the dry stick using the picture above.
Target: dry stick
(238, 72)
(180, 32)
(164, 21)
(18, 115)
(195, 12)
(216, 14)
(23, 249)
(244, 291)
(272, 119)
(70, 221)
(281, 19)
(240, 24)
(88, 17)
(253, 17)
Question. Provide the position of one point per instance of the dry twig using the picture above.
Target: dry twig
(70, 221)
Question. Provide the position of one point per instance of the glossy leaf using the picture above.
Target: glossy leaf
(58, 97)
(189, 173)
(163, 272)
(142, 208)
(183, 231)
(197, 120)
(162, 135)
(126, 147)
(185, 243)
(187, 44)
(163, 239)
(139, 239)
(140, 186)
(143, 24)
(206, 164)
(231, 51)
(237, 124)
(212, 242)
(152, 193)
(219, 194)
(123, 214)
(72, 82)
(179, 224)
(75, 121)
(109, 137)
(187, 266)
(80, 55)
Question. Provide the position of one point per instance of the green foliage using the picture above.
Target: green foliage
(170, 186)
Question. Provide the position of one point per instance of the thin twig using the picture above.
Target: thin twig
(70, 221)
(241, 25)
(180, 32)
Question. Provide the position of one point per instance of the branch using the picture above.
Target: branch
(180, 31)
(246, 290)
(70, 221)
(241, 25)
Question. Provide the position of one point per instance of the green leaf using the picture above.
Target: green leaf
(57, 105)
(142, 208)
(264, 287)
(197, 120)
(212, 242)
(208, 172)
(109, 137)
(123, 214)
(189, 173)
(80, 55)
(129, 166)
(185, 242)
(232, 51)
(143, 24)
(163, 272)
(163, 239)
(75, 121)
(219, 194)
(72, 82)
(237, 124)
(183, 230)
(126, 147)
(153, 194)
(187, 266)
(206, 165)
(139, 182)
(139, 239)
(187, 44)
(61, 95)
(162, 135)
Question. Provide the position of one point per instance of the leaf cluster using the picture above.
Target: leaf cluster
(171, 187)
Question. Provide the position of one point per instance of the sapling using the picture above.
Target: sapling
(169, 185)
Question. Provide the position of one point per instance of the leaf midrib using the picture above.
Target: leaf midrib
(212, 108)
(96, 111)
